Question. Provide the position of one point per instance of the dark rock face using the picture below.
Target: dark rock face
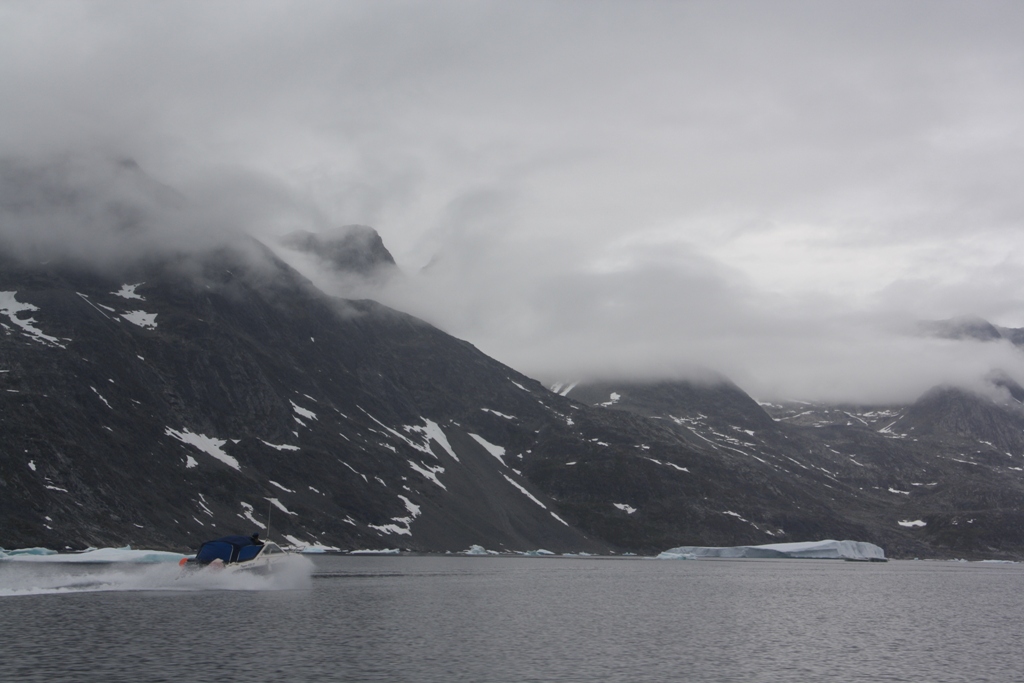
(183, 397)
(355, 249)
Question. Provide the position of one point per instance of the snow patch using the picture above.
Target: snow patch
(141, 318)
(495, 412)
(497, 451)
(429, 472)
(282, 447)
(128, 292)
(276, 503)
(247, 511)
(912, 523)
(11, 307)
(308, 414)
(101, 397)
(558, 518)
(206, 444)
(563, 388)
(628, 509)
(524, 491)
(274, 483)
(402, 524)
(667, 464)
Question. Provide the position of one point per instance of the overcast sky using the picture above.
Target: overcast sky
(774, 190)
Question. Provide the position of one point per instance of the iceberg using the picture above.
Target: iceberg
(479, 550)
(90, 556)
(818, 550)
(4, 554)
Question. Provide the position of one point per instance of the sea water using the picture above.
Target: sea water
(386, 618)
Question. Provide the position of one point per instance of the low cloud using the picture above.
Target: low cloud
(103, 210)
(775, 193)
(656, 312)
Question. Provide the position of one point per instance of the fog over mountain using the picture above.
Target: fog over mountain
(776, 192)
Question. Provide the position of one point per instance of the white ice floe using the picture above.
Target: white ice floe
(141, 318)
(912, 523)
(497, 451)
(11, 307)
(628, 509)
(820, 550)
(206, 444)
(90, 556)
(128, 292)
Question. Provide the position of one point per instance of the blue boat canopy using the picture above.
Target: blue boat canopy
(228, 549)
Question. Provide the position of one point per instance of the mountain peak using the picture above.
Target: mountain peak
(351, 248)
(962, 327)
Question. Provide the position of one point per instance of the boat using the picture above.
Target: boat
(236, 554)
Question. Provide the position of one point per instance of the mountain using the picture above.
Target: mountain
(973, 328)
(942, 476)
(191, 395)
(356, 249)
(177, 397)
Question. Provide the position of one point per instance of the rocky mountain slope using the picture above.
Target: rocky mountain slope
(947, 471)
(186, 396)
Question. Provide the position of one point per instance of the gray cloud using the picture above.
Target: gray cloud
(767, 189)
